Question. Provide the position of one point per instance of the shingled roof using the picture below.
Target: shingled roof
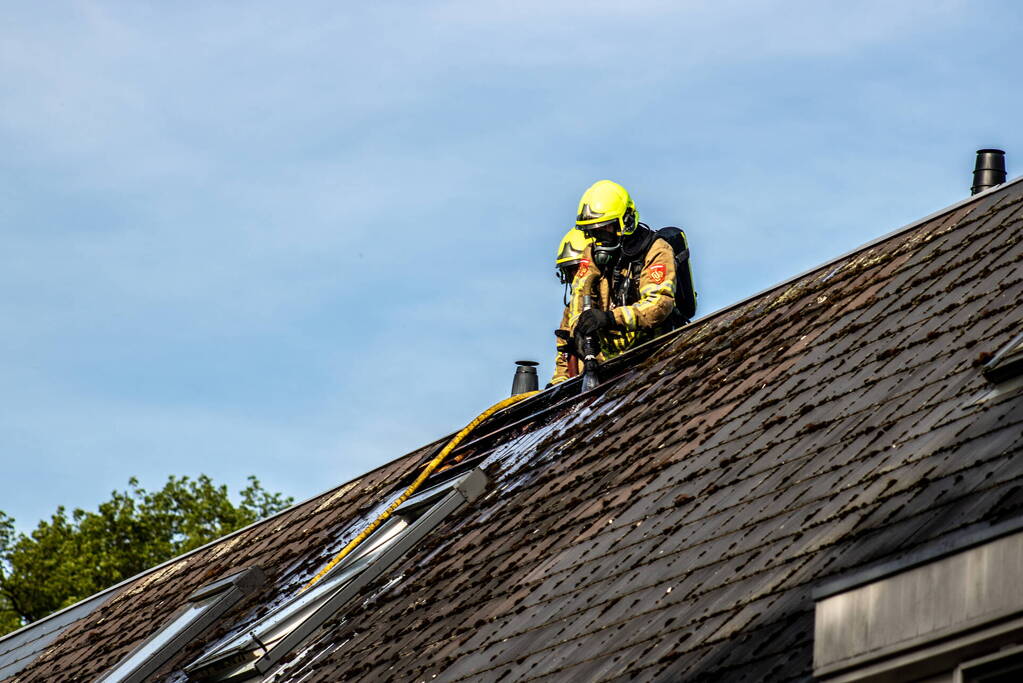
(673, 523)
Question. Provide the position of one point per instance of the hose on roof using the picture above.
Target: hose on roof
(427, 471)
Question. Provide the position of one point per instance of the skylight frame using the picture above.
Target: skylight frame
(339, 589)
(1007, 363)
(235, 655)
(201, 610)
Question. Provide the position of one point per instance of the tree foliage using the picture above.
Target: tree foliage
(71, 557)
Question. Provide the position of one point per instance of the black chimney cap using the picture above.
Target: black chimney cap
(525, 377)
(989, 171)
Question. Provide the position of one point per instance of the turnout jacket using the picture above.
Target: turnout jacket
(640, 295)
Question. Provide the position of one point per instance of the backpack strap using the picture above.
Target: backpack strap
(639, 243)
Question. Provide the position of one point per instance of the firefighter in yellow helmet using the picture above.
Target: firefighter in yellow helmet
(566, 260)
(627, 272)
(570, 252)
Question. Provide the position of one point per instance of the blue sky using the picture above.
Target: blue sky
(299, 240)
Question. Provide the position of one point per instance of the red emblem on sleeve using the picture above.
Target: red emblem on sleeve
(584, 265)
(657, 272)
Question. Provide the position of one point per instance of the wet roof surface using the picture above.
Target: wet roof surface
(673, 524)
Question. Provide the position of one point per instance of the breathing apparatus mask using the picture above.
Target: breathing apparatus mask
(565, 276)
(607, 237)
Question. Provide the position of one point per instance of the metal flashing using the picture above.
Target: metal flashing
(472, 486)
(434, 491)
(247, 580)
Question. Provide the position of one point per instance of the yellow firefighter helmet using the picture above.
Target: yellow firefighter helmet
(570, 251)
(607, 206)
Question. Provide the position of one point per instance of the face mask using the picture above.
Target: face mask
(604, 255)
(606, 245)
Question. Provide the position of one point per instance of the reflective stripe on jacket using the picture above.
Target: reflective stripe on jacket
(649, 302)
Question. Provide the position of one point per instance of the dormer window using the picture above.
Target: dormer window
(256, 648)
(948, 616)
(201, 611)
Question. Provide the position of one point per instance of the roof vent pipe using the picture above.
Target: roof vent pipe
(990, 170)
(525, 377)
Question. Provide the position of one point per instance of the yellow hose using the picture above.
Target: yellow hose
(427, 471)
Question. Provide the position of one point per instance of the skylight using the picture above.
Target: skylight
(260, 646)
(204, 606)
(236, 655)
(185, 617)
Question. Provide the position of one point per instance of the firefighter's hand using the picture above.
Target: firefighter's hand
(593, 321)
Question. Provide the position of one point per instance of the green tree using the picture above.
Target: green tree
(71, 557)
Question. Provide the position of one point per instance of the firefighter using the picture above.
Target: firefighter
(627, 272)
(570, 252)
(566, 261)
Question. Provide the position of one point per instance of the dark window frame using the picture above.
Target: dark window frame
(992, 667)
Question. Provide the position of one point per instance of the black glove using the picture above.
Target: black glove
(593, 321)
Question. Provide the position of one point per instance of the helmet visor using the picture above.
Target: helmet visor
(604, 232)
(610, 225)
(566, 272)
